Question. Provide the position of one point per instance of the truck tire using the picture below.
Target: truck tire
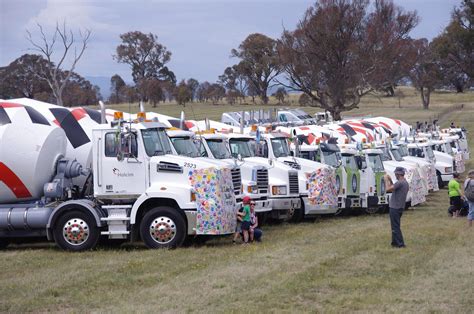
(440, 180)
(372, 210)
(297, 214)
(76, 231)
(3, 243)
(163, 227)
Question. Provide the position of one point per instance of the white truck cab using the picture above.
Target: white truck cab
(373, 192)
(184, 145)
(254, 176)
(422, 154)
(283, 179)
(317, 181)
(416, 194)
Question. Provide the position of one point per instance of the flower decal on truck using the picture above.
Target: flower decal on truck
(322, 187)
(215, 200)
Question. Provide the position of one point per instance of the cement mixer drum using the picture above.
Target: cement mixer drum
(28, 155)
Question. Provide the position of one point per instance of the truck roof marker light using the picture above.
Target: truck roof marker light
(141, 116)
(364, 140)
(318, 140)
(346, 141)
(118, 115)
(253, 128)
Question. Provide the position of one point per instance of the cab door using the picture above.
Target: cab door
(122, 164)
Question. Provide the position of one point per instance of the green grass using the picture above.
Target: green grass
(342, 264)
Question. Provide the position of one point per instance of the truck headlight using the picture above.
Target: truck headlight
(448, 169)
(279, 190)
(252, 189)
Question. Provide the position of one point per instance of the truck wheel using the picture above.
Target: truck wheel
(440, 180)
(76, 231)
(162, 227)
(372, 210)
(3, 243)
(298, 215)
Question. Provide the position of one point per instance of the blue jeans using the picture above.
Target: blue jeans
(397, 237)
(470, 215)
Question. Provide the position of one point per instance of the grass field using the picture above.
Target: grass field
(342, 264)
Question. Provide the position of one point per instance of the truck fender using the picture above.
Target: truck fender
(175, 195)
(85, 205)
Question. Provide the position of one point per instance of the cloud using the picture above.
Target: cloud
(77, 14)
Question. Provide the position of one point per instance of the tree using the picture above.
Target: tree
(116, 85)
(193, 85)
(145, 55)
(280, 94)
(259, 63)
(388, 44)
(182, 93)
(425, 74)
(54, 74)
(18, 79)
(455, 45)
(202, 93)
(151, 90)
(80, 92)
(336, 56)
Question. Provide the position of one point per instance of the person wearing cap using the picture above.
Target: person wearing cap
(240, 215)
(397, 202)
(455, 194)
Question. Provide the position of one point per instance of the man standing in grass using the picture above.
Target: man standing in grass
(397, 204)
(469, 195)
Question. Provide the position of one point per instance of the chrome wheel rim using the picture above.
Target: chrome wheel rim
(76, 231)
(162, 230)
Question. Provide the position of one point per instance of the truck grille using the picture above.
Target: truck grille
(262, 180)
(236, 180)
(293, 178)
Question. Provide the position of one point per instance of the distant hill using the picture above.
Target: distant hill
(103, 82)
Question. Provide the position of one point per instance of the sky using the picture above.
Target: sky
(199, 33)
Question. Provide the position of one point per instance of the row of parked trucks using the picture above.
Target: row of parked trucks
(74, 175)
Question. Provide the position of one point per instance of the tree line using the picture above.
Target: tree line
(340, 51)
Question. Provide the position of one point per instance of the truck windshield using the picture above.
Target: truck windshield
(448, 148)
(386, 155)
(280, 147)
(429, 152)
(219, 149)
(241, 146)
(396, 154)
(185, 146)
(375, 162)
(156, 142)
(403, 150)
(349, 162)
(331, 158)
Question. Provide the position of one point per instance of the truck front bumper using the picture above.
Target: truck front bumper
(262, 206)
(282, 206)
(310, 209)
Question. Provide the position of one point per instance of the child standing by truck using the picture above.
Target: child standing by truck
(246, 219)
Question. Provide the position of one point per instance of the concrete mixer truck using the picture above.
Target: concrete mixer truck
(136, 189)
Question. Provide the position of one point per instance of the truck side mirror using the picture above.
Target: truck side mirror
(239, 157)
(292, 153)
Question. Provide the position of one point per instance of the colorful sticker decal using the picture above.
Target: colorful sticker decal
(432, 177)
(322, 187)
(416, 188)
(216, 211)
(459, 160)
(423, 172)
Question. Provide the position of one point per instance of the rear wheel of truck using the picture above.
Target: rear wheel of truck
(163, 227)
(76, 231)
(3, 243)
